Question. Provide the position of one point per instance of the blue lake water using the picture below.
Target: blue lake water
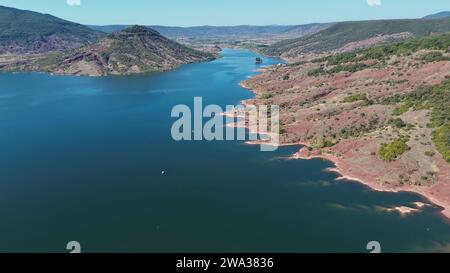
(81, 160)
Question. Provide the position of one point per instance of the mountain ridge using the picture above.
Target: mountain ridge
(366, 33)
(439, 15)
(19, 34)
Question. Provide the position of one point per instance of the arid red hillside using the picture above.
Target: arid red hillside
(382, 114)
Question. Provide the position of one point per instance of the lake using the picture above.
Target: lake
(81, 159)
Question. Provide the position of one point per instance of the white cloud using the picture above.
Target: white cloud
(73, 2)
(373, 3)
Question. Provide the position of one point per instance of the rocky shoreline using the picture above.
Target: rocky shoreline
(346, 173)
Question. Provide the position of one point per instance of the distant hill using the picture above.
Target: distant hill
(134, 50)
(440, 15)
(31, 32)
(203, 32)
(108, 28)
(359, 34)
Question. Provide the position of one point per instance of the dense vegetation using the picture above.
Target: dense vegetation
(391, 151)
(343, 33)
(441, 138)
(26, 31)
(359, 97)
(434, 56)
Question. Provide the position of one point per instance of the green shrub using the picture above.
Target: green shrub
(441, 138)
(327, 143)
(342, 58)
(352, 68)
(266, 96)
(434, 57)
(354, 98)
(391, 151)
(317, 72)
(398, 123)
(400, 110)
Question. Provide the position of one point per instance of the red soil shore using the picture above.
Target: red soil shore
(437, 194)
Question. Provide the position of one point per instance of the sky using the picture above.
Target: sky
(228, 12)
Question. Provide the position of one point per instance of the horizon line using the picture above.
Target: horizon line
(237, 25)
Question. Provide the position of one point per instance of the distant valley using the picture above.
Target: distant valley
(237, 32)
(250, 37)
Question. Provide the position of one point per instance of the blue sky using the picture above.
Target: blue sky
(228, 12)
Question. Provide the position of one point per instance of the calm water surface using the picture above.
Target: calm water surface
(81, 159)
